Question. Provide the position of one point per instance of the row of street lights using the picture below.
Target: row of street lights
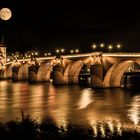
(95, 47)
(30, 54)
(109, 47)
(63, 50)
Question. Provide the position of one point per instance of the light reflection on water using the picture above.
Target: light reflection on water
(71, 103)
(134, 111)
(85, 99)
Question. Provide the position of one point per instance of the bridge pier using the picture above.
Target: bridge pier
(32, 71)
(2, 74)
(9, 72)
(15, 70)
(58, 74)
(96, 71)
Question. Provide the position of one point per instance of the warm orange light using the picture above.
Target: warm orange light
(76, 50)
(62, 50)
(110, 47)
(118, 46)
(71, 51)
(8, 59)
(101, 45)
(57, 51)
(94, 46)
(36, 53)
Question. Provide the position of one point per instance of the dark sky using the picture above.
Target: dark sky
(47, 26)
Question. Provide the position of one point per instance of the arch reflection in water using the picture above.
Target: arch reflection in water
(85, 99)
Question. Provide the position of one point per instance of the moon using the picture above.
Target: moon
(5, 13)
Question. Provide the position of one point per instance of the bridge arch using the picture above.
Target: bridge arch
(73, 70)
(114, 74)
(44, 72)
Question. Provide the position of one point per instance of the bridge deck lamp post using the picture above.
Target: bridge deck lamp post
(77, 50)
(118, 47)
(102, 46)
(94, 47)
(110, 47)
(62, 50)
(57, 51)
(71, 51)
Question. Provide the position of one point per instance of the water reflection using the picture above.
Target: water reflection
(60, 108)
(73, 104)
(85, 99)
(106, 128)
(134, 111)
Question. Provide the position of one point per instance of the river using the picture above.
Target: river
(68, 103)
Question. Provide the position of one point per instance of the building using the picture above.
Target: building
(2, 53)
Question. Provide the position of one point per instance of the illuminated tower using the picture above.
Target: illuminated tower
(2, 52)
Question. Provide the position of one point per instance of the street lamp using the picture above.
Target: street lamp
(94, 47)
(49, 54)
(110, 47)
(57, 51)
(62, 50)
(36, 53)
(118, 46)
(71, 51)
(77, 50)
(102, 46)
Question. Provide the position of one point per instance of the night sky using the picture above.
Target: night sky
(47, 26)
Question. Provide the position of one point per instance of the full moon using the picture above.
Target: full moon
(5, 13)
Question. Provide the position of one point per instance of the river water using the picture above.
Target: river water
(68, 103)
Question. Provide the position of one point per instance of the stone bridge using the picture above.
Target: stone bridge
(104, 69)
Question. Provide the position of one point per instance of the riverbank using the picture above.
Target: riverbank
(30, 129)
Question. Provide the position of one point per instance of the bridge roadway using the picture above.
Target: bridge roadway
(106, 69)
